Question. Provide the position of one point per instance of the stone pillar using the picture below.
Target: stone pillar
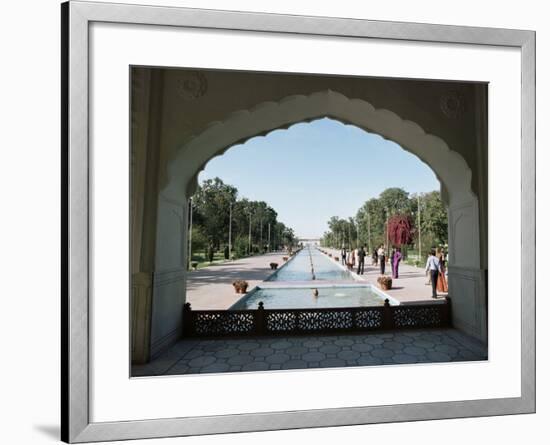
(159, 227)
(169, 278)
(146, 121)
(141, 316)
(466, 277)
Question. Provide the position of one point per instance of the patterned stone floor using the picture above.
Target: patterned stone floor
(267, 354)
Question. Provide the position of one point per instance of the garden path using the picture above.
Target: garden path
(211, 287)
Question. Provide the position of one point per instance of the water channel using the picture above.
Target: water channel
(300, 268)
(311, 279)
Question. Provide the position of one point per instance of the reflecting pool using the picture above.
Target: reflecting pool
(299, 268)
(304, 297)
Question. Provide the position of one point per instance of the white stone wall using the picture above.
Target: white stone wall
(169, 278)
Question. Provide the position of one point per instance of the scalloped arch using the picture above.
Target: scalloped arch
(449, 166)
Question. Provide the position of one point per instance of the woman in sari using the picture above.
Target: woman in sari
(441, 279)
(395, 262)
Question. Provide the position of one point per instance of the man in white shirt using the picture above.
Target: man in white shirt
(433, 268)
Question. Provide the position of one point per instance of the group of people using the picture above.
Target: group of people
(353, 256)
(379, 258)
(435, 268)
(435, 264)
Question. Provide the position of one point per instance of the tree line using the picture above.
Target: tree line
(254, 226)
(395, 216)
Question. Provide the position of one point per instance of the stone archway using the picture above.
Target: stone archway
(465, 276)
(449, 166)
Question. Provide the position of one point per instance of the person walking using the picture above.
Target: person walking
(433, 268)
(395, 262)
(392, 255)
(344, 256)
(441, 279)
(375, 256)
(382, 259)
(361, 260)
(351, 259)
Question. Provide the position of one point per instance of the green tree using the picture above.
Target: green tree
(395, 201)
(434, 217)
(254, 224)
(200, 243)
(372, 212)
(241, 246)
(288, 237)
(342, 233)
(256, 218)
(212, 201)
(371, 220)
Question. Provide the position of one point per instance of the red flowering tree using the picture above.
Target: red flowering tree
(400, 230)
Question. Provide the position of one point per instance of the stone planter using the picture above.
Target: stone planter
(285, 258)
(240, 286)
(194, 265)
(384, 282)
(273, 266)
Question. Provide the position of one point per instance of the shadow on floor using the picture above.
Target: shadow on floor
(51, 431)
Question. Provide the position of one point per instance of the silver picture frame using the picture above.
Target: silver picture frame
(76, 19)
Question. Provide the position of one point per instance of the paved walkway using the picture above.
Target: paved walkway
(278, 353)
(212, 287)
(410, 287)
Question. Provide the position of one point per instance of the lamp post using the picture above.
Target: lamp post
(357, 231)
(368, 228)
(387, 229)
(250, 234)
(419, 234)
(261, 233)
(230, 205)
(190, 231)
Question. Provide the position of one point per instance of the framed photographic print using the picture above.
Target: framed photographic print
(276, 222)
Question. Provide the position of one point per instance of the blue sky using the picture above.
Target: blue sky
(316, 170)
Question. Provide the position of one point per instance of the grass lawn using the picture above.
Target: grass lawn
(202, 261)
(200, 258)
(413, 260)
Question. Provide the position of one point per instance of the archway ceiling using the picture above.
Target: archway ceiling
(449, 166)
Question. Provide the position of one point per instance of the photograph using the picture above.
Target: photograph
(290, 221)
